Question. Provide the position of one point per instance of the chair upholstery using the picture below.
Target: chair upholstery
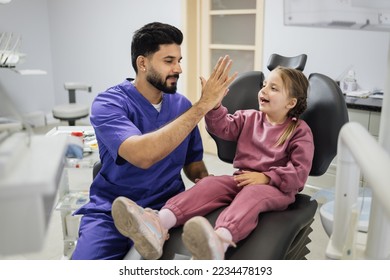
(239, 98)
(279, 235)
(72, 112)
(326, 113)
(297, 62)
(96, 168)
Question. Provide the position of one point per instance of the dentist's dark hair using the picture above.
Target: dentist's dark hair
(147, 39)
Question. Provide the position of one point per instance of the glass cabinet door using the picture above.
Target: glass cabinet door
(235, 28)
(219, 28)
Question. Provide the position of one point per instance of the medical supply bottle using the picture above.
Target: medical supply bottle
(349, 82)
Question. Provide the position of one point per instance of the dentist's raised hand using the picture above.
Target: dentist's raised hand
(216, 87)
(164, 140)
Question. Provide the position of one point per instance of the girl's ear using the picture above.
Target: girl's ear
(291, 104)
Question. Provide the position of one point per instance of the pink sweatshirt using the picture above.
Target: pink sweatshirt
(287, 165)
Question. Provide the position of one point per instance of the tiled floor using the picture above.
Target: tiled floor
(53, 247)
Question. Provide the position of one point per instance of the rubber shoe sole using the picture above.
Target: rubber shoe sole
(130, 224)
(201, 240)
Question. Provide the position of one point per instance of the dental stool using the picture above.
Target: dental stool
(72, 111)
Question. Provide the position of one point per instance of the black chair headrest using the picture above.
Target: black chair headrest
(297, 62)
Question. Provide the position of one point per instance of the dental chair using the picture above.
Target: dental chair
(279, 235)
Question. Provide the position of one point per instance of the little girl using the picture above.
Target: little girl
(273, 160)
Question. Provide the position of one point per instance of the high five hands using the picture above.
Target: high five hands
(216, 87)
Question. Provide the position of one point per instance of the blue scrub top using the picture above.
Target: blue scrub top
(119, 113)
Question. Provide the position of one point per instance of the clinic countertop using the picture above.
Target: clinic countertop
(367, 104)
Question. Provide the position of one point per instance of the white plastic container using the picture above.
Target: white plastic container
(349, 83)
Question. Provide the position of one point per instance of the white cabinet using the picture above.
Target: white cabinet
(234, 28)
(368, 119)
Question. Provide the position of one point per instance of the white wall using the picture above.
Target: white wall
(75, 41)
(89, 41)
(29, 19)
(330, 51)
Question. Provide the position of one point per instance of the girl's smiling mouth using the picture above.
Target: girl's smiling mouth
(263, 100)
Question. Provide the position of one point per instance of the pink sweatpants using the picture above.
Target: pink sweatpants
(244, 205)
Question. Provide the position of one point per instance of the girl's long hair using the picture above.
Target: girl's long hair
(297, 86)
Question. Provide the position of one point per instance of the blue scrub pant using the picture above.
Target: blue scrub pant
(99, 239)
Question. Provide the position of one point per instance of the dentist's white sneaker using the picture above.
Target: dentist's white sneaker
(140, 225)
